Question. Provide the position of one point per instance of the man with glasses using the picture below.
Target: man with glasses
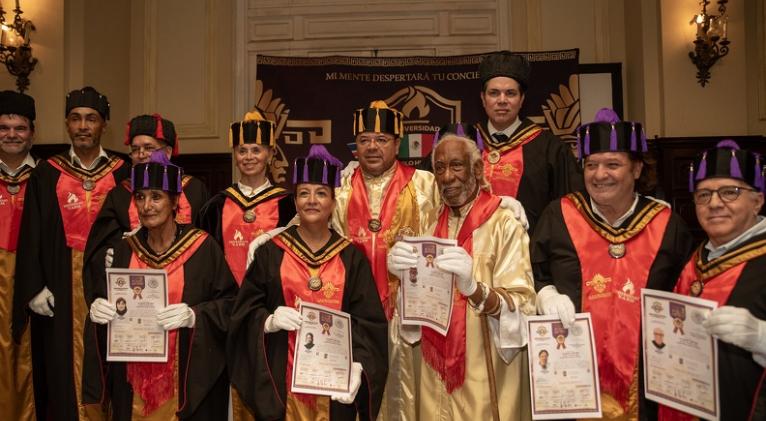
(119, 217)
(594, 250)
(727, 185)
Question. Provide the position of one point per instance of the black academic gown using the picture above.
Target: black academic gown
(258, 360)
(43, 259)
(209, 289)
(555, 262)
(114, 220)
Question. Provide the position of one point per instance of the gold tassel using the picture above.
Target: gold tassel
(377, 121)
(241, 134)
(272, 140)
(231, 139)
(258, 134)
(360, 126)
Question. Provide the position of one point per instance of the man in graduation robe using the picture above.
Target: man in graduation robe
(478, 371)
(118, 216)
(63, 197)
(17, 129)
(521, 159)
(378, 203)
(594, 250)
(727, 187)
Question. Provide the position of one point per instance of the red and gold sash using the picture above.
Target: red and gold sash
(611, 287)
(183, 215)
(394, 216)
(154, 382)
(79, 207)
(298, 265)
(238, 233)
(505, 175)
(12, 206)
(446, 355)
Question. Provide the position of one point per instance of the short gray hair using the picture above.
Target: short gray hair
(474, 155)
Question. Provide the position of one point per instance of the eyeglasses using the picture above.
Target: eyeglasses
(726, 193)
(135, 150)
(381, 141)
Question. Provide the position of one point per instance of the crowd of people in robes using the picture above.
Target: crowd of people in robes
(536, 231)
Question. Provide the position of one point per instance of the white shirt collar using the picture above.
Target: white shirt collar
(75, 160)
(715, 252)
(252, 191)
(619, 220)
(508, 130)
(28, 161)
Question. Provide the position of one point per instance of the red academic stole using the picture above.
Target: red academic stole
(446, 355)
(262, 212)
(374, 244)
(183, 215)
(504, 165)
(78, 205)
(12, 189)
(299, 264)
(719, 277)
(611, 287)
(154, 382)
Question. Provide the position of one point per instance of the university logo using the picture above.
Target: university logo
(598, 283)
(72, 198)
(627, 292)
(238, 235)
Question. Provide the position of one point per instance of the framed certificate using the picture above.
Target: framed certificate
(563, 368)
(680, 358)
(426, 292)
(134, 334)
(322, 355)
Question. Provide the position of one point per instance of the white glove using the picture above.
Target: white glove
(550, 302)
(176, 316)
(401, 256)
(284, 318)
(43, 303)
(739, 327)
(102, 311)
(109, 258)
(349, 170)
(259, 241)
(508, 202)
(457, 261)
(356, 381)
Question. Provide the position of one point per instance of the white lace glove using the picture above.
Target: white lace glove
(259, 241)
(401, 257)
(349, 170)
(550, 302)
(43, 303)
(176, 316)
(284, 318)
(356, 381)
(109, 258)
(458, 262)
(508, 202)
(739, 327)
(102, 311)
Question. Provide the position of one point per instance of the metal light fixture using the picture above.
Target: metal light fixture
(15, 51)
(711, 42)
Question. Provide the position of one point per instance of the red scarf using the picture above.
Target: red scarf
(237, 234)
(446, 355)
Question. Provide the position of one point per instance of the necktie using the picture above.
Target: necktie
(500, 137)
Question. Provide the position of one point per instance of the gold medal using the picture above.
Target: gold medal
(88, 184)
(315, 283)
(13, 189)
(494, 157)
(374, 225)
(617, 250)
(249, 216)
(696, 288)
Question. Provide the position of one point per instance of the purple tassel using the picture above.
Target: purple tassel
(305, 177)
(579, 146)
(436, 136)
(165, 183)
(295, 172)
(734, 166)
(324, 173)
(479, 141)
(758, 173)
(702, 170)
(179, 188)
(613, 139)
(633, 146)
(133, 177)
(146, 176)
(460, 131)
(644, 148)
(586, 142)
(691, 177)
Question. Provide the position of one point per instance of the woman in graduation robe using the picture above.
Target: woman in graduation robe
(307, 263)
(193, 383)
(252, 206)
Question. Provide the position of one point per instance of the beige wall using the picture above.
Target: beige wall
(193, 61)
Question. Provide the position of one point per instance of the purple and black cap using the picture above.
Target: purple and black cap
(319, 167)
(157, 174)
(727, 160)
(608, 134)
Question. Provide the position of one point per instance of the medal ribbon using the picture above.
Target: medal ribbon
(446, 354)
(376, 244)
(11, 208)
(237, 234)
(505, 175)
(611, 291)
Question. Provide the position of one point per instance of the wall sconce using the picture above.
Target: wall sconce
(15, 51)
(711, 42)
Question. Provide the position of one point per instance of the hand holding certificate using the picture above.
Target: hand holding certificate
(680, 357)
(134, 334)
(426, 292)
(563, 368)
